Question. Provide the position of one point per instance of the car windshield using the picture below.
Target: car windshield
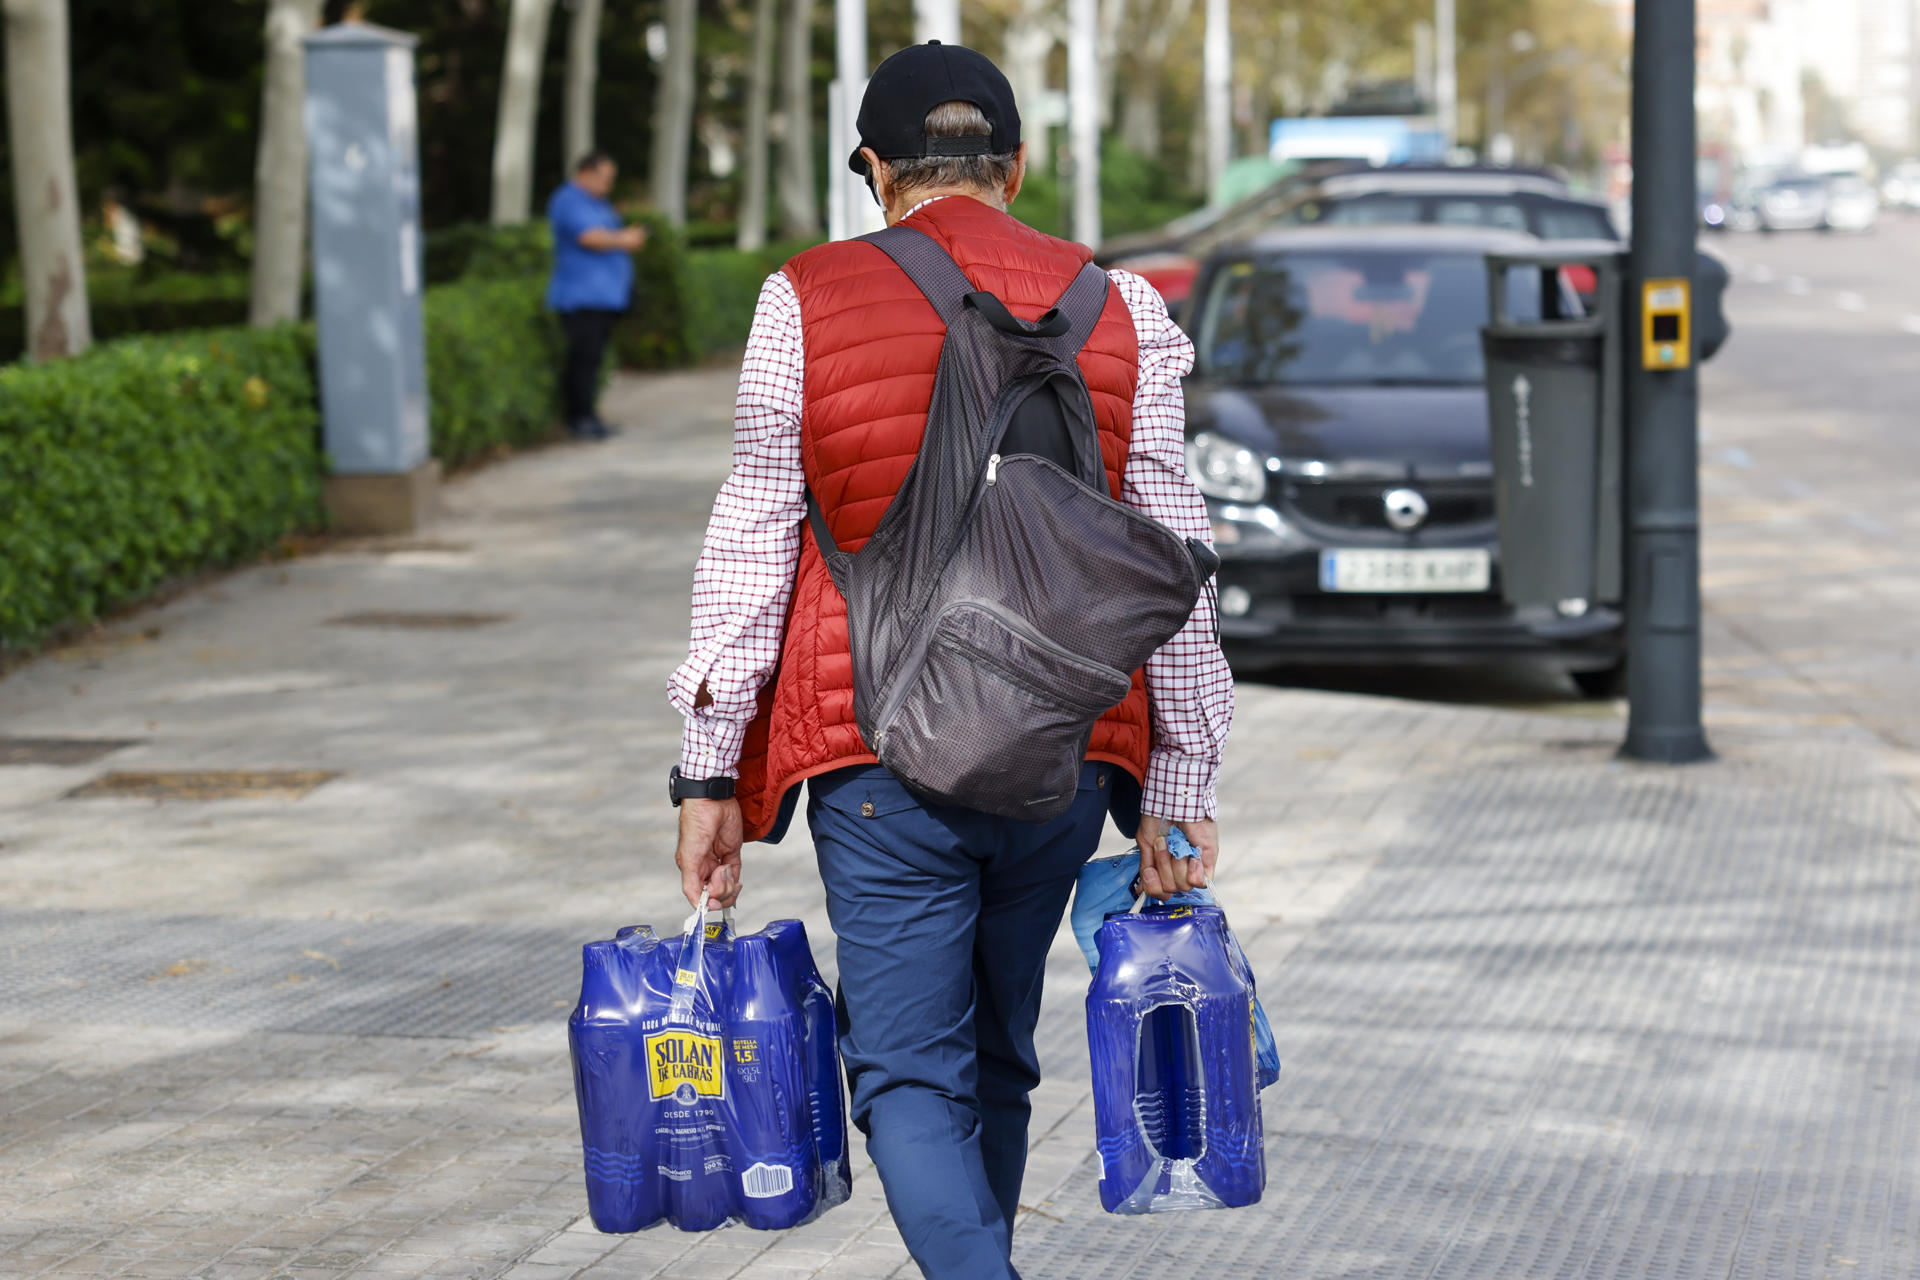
(1375, 316)
(1798, 185)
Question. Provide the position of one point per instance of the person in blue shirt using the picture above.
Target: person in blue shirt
(592, 283)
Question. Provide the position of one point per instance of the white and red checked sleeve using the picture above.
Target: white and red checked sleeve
(744, 579)
(1189, 685)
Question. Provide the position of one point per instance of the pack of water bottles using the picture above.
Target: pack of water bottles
(1180, 1047)
(708, 1079)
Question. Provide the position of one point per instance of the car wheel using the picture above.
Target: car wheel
(1604, 684)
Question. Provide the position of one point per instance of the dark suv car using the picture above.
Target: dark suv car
(1337, 424)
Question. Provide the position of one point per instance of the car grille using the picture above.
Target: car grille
(1475, 607)
(1347, 504)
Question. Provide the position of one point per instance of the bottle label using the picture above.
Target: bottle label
(684, 1065)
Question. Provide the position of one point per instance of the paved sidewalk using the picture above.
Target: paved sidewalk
(1542, 1013)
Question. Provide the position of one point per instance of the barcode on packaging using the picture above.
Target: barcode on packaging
(763, 1180)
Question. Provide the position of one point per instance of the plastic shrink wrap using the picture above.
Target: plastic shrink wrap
(1110, 885)
(1176, 1098)
(708, 1079)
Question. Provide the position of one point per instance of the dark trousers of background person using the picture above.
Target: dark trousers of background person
(943, 918)
(587, 333)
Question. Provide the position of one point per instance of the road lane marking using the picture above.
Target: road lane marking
(1761, 273)
(1850, 302)
(1910, 323)
(1798, 286)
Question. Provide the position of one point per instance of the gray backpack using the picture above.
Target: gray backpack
(1004, 599)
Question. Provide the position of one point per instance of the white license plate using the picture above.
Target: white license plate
(1470, 569)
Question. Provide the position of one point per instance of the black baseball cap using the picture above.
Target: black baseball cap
(893, 112)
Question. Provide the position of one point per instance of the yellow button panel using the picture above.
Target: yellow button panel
(1666, 316)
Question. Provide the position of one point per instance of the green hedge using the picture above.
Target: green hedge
(151, 457)
(124, 303)
(477, 251)
(725, 285)
(492, 366)
(145, 459)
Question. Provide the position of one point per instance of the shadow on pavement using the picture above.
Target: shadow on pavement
(1514, 685)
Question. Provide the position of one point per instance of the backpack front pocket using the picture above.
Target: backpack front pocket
(993, 715)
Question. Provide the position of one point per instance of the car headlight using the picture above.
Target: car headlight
(1223, 469)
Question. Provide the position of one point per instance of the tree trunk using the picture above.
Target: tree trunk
(673, 115)
(1140, 116)
(799, 199)
(46, 199)
(1140, 105)
(1113, 15)
(583, 73)
(519, 111)
(752, 233)
(280, 171)
(1031, 36)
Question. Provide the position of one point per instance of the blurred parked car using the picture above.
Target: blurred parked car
(1533, 202)
(1797, 203)
(1901, 187)
(1742, 211)
(1852, 204)
(1338, 426)
(1170, 256)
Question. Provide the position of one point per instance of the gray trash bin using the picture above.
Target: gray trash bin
(1552, 393)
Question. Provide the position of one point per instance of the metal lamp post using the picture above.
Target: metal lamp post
(1663, 456)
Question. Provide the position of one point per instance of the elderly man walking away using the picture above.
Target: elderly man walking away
(592, 283)
(943, 914)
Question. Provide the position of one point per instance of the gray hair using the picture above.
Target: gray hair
(953, 120)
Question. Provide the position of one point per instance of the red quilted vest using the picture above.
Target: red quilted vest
(872, 347)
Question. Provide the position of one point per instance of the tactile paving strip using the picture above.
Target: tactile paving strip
(373, 978)
(1587, 1023)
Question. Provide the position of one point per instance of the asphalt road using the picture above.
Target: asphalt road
(1811, 462)
(1810, 452)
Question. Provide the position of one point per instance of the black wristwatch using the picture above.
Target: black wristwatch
(681, 788)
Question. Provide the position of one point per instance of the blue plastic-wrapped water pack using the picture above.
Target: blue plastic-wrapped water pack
(1110, 885)
(708, 1079)
(1172, 1025)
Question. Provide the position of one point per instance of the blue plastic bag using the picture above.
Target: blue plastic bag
(1176, 1102)
(708, 1079)
(1107, 886)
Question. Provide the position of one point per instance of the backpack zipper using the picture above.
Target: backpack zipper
(993, 470)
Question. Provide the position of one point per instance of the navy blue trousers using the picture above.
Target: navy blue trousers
(944, 917)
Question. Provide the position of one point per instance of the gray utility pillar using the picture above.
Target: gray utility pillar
(1663, 453)
(364, 149)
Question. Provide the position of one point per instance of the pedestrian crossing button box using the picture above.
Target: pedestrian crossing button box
(1666, 312)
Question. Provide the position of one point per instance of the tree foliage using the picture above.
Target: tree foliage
(167, 92)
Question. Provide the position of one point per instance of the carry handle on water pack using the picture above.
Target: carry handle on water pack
(693, 946)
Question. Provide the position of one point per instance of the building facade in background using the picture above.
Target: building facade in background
(1777, 76)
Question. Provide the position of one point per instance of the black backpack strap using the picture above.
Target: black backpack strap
(838, 561)
(930, 268)
(1080, 306)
